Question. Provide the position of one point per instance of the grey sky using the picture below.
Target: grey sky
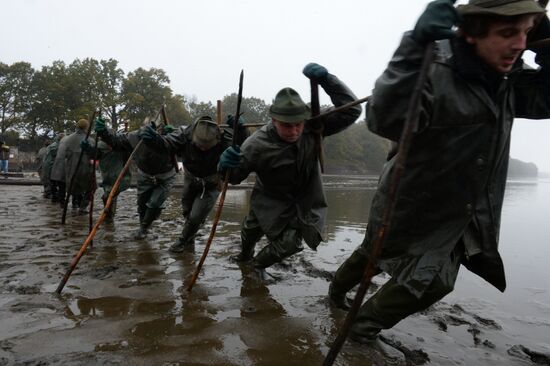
(203, 44)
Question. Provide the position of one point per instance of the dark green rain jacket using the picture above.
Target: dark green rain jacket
(148, 160)
(453, 184)
(111, 163)
(49, 158)
(199, 164)
(288, 177)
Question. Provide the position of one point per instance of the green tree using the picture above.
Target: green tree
(144, 92)
(197, 109)
(15, 84)
(254, 110)
(110, 91)
(176, 112)
(51, 97)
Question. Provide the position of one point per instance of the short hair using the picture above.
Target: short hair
(477, 25)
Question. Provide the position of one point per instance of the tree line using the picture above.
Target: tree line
(36, 104)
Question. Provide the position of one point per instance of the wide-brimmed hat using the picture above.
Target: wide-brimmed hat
(289, 107)
(505, 8)
(206, 133)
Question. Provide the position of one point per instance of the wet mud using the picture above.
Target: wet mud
(127, 303)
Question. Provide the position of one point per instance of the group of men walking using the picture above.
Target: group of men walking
(448, 209)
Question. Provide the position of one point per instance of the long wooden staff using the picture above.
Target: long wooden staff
(114, 192)
(173, 156)
(315, 110)
(321, 115)
(410, 126)
(339, 109)
(71, 184)
(93, 188)
(224, 190)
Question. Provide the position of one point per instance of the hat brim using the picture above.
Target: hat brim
(506, 10)
(291, 118)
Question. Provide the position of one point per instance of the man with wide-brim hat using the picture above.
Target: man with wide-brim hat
(451, 191)
(199, 147)
(287, 204)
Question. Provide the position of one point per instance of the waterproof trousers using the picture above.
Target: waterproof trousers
(393, 301)
(287, 243)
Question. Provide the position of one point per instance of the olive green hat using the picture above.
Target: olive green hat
(505, 8)
(206, 133)
(82, 123)
(289, 107)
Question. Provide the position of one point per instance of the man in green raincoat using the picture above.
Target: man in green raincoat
(111, 163)
(451, 192)
(199, 147)
(287, 204)
(57, 193)
(66, 164)
(45, 180)
(156, 174)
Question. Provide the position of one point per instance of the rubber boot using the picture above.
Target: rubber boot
(186, 239)
(110, 214)
(150, 215)
(247, 250)
(347, 276)
(266, 257)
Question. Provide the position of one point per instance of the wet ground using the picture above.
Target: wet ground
(127, 304)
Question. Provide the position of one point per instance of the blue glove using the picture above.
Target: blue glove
(230, 158)
(231, 121)
(148, 134)
(315, 72)
(436, 22)
(100, 125)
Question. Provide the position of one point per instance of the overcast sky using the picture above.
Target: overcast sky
(204, 44)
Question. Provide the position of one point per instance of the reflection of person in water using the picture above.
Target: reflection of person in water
(257, 301)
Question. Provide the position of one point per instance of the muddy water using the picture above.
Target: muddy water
(127, 304)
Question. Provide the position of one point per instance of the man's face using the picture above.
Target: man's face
(289, 132)
(504, 43)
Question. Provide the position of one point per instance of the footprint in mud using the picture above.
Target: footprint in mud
(526, 354)
(25, 290)
(27, 306)
(103, 272)
(412, 356)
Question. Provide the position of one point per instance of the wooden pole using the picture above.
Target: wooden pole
(93, 189)
(223, 192)
(112, 194)
(315, 111)
(219, 112)
(173, 156)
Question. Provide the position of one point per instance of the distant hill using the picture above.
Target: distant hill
(356, 150)
(518, 168)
